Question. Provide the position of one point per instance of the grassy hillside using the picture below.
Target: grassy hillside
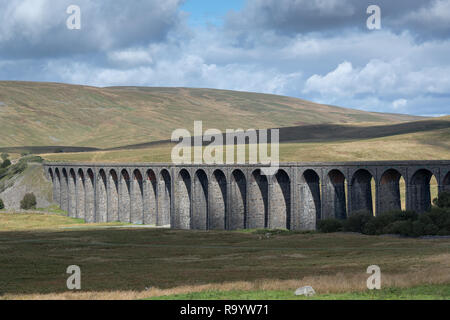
(49, 114)
(421, 145)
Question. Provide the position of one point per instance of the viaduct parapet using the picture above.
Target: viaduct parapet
(229, 197)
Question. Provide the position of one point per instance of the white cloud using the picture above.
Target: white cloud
(399, 104)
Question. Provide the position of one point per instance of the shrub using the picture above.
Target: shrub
(28, 202)
(403, 228)
(329, 225)
(4, 156)
(6, 163)
(356, 222)
(443, 200)
(2, 205)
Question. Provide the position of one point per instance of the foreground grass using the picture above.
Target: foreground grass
(35, 221)
(427, 292)
(126, 263)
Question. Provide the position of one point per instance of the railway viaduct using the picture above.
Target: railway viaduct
(219, 197)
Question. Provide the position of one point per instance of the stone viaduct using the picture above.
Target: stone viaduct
(228, 197)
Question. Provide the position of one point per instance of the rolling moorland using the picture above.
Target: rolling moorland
(116, 124)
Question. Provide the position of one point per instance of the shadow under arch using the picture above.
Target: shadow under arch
(90, 197)
(81, 195)
(164, 216)
(389, 192)
(334, 196)
(137, 198)
(102, 198)
(150, 202)
(125, 197)
(238, 205)
(200, 209)
(113, 190)
(183, 198)
(361, 199)
(217, 219)
(419, 191)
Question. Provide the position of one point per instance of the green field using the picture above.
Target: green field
(121, 262)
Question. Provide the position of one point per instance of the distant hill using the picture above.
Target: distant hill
(51, 114)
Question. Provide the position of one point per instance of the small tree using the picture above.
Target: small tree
(6, 163)
(2, 205)
(4, 156)
(443, 200)
(28, 202)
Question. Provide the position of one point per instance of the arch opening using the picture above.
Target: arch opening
(90, 197)
(65, 191)
(334, 196)
(72, 196)
(218, 205)
(164, 216)
(419, 190)
(200, 209)
(183, 201)
(125, 197)
(238, 194)
(446, 184)
(258, 201)
(102, 198)
(81, 195)
(390, 192)
(362, 193)
(137, 201)
(113, 199)
(150, 188)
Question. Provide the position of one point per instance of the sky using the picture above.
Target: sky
(318, 50)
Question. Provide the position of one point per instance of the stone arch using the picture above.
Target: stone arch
(55, 187)
(102, 198)
(183, 199)
(258, 201)
(200, 209)
(218, 204)
(361, 192)
(64, 190)
(333, 196)
(238, 204)
(137, 201)
(90, 196)
(419, 191)
(113, 196)
(72, 195)
(164, 216)
(150, 187)
(389, 191)
(310, 201)
(81, 195)
(280, 201)
(124, 196)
